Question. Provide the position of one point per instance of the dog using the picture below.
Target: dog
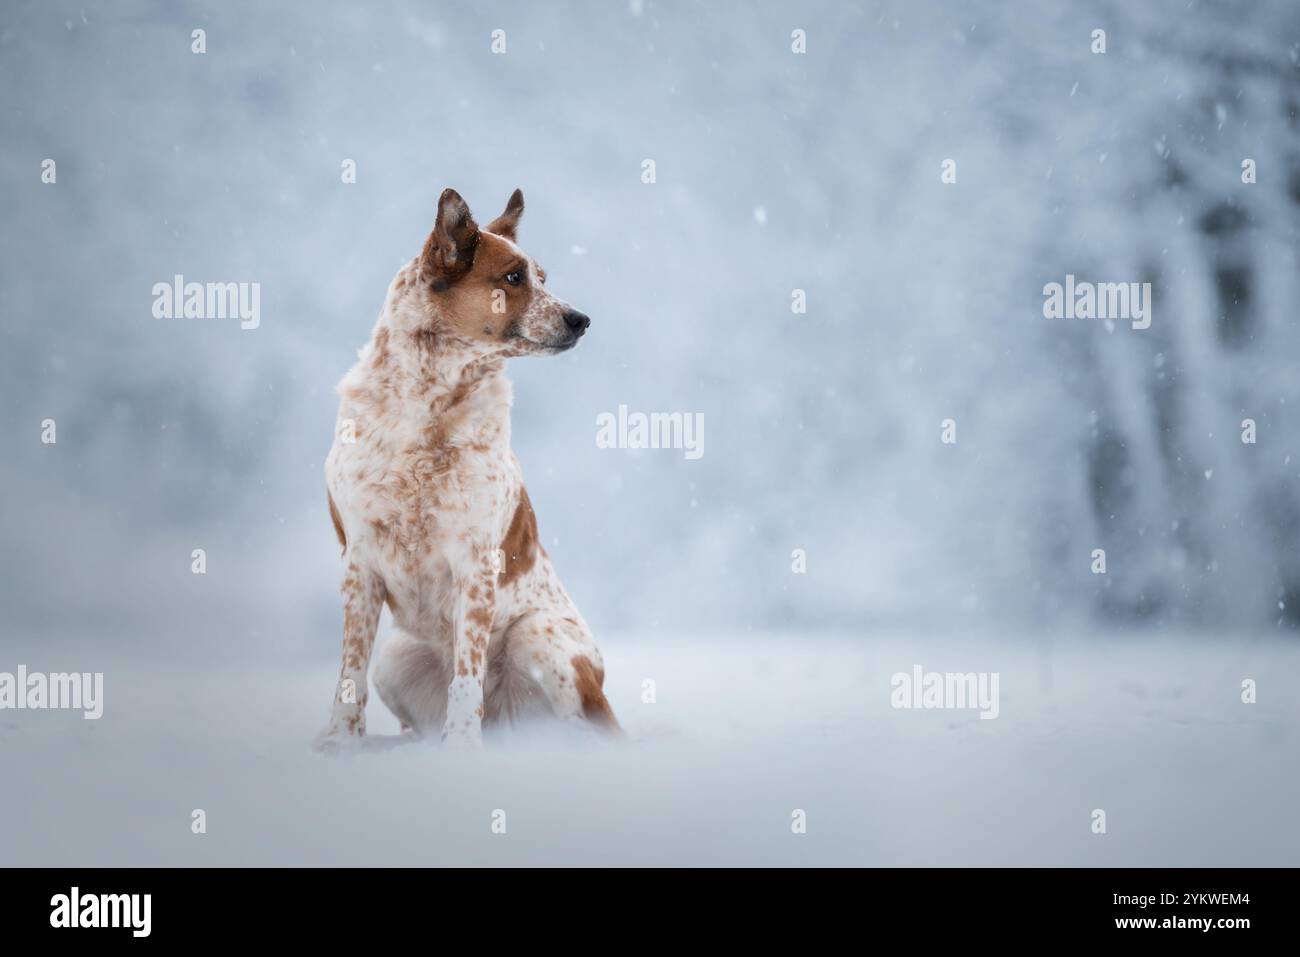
(429, 504)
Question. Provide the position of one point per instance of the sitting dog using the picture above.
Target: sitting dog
(429, 504)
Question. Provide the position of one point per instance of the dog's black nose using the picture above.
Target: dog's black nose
(577, 321)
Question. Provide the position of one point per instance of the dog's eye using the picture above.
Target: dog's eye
(514, 278)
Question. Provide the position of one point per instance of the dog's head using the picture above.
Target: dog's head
(483, 290)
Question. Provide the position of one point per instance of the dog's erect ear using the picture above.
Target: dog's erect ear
(449, 252)
(506, 224)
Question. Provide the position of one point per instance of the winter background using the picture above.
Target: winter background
(775, 172)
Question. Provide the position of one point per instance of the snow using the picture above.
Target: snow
(743, 732)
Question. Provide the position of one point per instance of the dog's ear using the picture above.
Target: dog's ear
(508, 222)
(449, 252)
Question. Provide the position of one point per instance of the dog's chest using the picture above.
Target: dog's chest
(430, 496)
(422, 501)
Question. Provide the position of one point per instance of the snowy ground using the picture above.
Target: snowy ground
(742, 733)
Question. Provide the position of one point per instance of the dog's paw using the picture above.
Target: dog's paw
(460, 737)
(335, 740)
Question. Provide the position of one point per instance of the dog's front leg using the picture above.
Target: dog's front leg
(363, 600)
(474, 607)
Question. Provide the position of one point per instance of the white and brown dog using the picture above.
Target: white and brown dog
(429, 502)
